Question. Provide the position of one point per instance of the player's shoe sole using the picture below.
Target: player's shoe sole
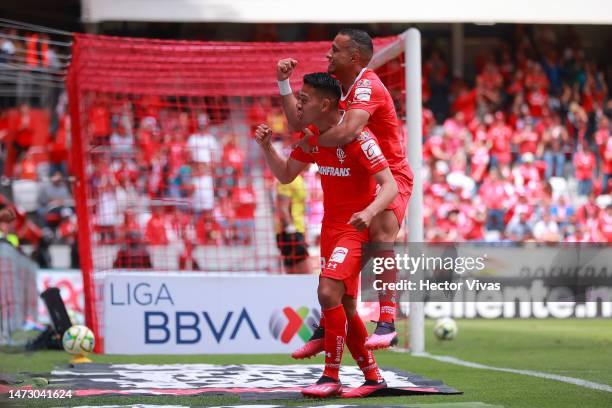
(367, 389)
(324, 390)
(383, 337)
(309, 350)
(313, 346)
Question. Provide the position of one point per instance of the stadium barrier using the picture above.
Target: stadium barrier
(18, 294)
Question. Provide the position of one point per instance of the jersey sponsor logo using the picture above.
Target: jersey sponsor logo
(371, 149)
(363, 94)
(338, 254)
(364, 83)
(341, 155)
(334, 171)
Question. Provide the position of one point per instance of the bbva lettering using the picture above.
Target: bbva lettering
(189, 327)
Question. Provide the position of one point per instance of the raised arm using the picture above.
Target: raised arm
(386, 195)
(351, 126)
(284, 69)
(284, 169)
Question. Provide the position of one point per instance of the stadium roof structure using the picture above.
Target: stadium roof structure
(356, 11)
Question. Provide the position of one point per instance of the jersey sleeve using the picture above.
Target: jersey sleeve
(298, 152)
(369, 95)
(366, 151)
(300, 155)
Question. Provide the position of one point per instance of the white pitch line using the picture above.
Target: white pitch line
(562, 378)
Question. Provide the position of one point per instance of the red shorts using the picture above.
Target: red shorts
(341, 255)
(404, 191)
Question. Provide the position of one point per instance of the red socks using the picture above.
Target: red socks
(357, 334)
(335, 336)
(386, 299)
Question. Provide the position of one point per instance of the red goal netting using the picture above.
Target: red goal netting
(169, 177)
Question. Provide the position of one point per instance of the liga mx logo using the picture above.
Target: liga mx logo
(285, 324)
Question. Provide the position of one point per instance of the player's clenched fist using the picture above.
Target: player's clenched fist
(284, 68)
(361, 219)
(263, 135)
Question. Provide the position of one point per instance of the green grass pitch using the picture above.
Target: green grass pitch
(572, 348)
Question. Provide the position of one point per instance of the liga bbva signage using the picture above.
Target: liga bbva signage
(192, 313)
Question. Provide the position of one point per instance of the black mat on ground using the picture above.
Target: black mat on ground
(249, 381)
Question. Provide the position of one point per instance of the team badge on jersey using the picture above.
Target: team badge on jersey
(314, 149)
(341, 155)
(338, 254)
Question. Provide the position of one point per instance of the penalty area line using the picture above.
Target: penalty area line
(562, 378)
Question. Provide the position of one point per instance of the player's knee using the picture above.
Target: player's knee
(328, 294)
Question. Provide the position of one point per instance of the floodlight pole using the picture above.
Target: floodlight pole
(414, 140)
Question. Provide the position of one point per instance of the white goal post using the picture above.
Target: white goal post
(410, 44)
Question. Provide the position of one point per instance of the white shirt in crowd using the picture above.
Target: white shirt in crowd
(203, 193)
(543, 229)
(204, 147)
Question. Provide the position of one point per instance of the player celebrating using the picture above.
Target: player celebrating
(365, 101)
(349, 177)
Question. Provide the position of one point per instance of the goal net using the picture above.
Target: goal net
(169, 177)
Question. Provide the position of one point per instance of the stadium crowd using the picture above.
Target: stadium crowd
(520, 152)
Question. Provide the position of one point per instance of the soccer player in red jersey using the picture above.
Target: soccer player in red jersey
(364, 102)
(357, 184)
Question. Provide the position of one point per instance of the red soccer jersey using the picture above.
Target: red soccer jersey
(369, 94)
(346, 174)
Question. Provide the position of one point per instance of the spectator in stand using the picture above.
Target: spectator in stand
(107, 215)
(493, 194)
(203, 196)
(290, 229)
(584, 165)
(479, 161)
(122, 143)
(208, 231)
(603, 141)
(546, 229)
(59, 148)
(603, 227)
(203, 144)
(54, 199)
(499, 137)
(244, 212)
(488, 87)
(99, 121)
(230, 170)
(554, 139)
(23, 137)
(187, 261)
(562, 212)
(133, 254)
(518, 229)
(156, 228)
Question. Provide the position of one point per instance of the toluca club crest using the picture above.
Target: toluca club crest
(341, 155)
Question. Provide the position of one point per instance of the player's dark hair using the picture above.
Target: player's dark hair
(362, 41)
(324, 83)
